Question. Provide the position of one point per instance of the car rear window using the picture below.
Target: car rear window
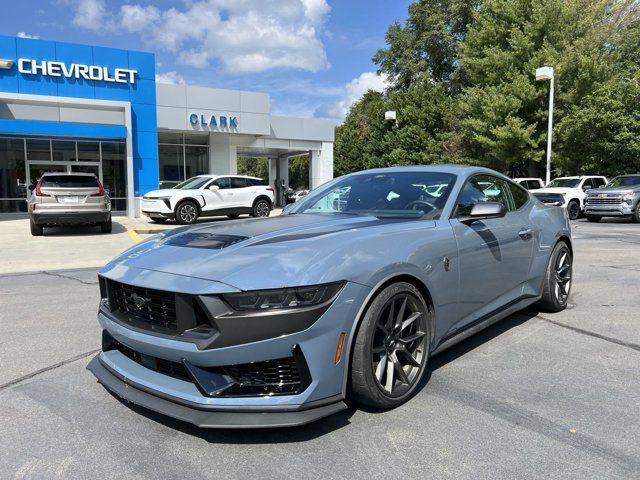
(257, 182)
(69, 181)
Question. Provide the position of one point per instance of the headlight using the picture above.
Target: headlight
(628, 198)
(283, 299)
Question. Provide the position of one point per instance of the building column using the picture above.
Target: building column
(223, 155)
(321, 165)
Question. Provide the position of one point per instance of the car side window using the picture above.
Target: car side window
(222, 183)
(520, 195)
(238, 182)
(599, 182)
(483, 188)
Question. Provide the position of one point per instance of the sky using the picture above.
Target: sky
(312, 56)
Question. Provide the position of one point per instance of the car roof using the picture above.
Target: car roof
(208, 175)
(66, 174)
(459, 170)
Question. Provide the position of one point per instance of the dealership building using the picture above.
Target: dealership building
(81, 108)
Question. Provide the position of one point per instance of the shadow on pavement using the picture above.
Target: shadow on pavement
(80, 230)
(337, 421)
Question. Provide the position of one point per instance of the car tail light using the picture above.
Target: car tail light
(100, 190)
(39, 190)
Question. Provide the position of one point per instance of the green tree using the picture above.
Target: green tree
(254, 167)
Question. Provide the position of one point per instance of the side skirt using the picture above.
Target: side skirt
(484, 322)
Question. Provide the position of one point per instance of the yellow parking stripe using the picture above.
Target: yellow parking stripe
(134, 235)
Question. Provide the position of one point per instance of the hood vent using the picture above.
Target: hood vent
(211, 241)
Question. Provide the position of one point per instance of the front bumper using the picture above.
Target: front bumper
(613, 210)
(70, 218)
(212, 417)
(183, 399)
(157, 208)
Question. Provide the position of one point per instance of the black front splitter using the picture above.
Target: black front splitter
(209, 418)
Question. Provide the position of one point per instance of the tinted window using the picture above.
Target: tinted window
(482, 188)
(238, 182)
(519, 195)
(257, 182)
(564, 182)
(533, 185)
(222, 183)
(69, 181)
(395, 194)
(193, 183)
(625, 181)
(599, 182)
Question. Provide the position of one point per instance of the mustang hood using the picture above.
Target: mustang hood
(288, 250)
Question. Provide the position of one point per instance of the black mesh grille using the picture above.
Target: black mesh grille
(604, 201)
(273, 377)
(156, 308)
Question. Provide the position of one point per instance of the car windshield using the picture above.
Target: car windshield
(390, 195)
(564, 182)
(625, 181)
(192, 183)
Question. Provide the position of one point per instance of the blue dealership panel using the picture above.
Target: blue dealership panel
(141, 95)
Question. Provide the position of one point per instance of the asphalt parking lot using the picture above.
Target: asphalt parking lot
(536, 395)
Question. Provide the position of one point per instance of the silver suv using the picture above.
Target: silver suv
(68, 199)
(619, 198)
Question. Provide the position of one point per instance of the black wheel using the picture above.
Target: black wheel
(186, 213)
(261, 208)
(159, 220)
(233, 217)
(36, 230)
(105, 227)
(391, 347)
(573, 209)
(594, 218)
(557, 280)
(636, 214)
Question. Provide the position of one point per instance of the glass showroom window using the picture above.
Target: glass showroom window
(13, 178)
(114, 173)
(181, 157)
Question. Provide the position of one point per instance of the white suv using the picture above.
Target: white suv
(209, 195)
(569, 192)
(530, 183)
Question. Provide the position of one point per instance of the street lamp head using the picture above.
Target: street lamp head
(544, 73)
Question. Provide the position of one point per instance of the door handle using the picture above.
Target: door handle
(526, 233)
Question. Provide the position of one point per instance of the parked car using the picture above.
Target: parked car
(68, 199)
(348, 293)
(569, 192)
(298, 194)
(619, 198)
(530, 183)
(209, 195)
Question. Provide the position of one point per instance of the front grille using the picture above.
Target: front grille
(284, 376)
(154, 308)
(604, 201)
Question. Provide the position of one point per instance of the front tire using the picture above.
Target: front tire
(391, 347)
(636, 214)
(594, 218)
(36, 230)
(187, 213)
(261, 208)
(557, 280)
(573, 210)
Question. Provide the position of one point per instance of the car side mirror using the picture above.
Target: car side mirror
(32, 188)
(585, 188)
(485, 211)
(213, 188)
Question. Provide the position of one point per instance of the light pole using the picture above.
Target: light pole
(546, 73)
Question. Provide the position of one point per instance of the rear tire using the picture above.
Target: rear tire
(557, 279)
(261, 208)
(187, 213)
(106, 227)
(36, 230)
(594, 218)
(573, 210)
(159, 220)
(391, 347)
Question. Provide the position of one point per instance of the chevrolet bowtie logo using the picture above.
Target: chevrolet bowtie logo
(6, 64)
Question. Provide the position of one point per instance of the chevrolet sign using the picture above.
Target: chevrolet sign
(30, 66)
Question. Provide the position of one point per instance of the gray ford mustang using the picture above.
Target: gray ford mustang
(346, 295)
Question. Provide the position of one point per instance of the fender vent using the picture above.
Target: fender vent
(213, 241)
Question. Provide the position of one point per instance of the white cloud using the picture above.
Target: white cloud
(353, 91)
(91, 14)
(172, 77)
(243, 36)
(26, 35)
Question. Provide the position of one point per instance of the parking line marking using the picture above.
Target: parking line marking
(134, 235)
